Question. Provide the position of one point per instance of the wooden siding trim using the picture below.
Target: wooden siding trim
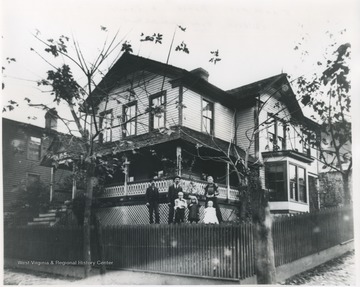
(180, 102)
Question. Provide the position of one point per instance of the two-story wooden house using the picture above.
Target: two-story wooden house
(163, 120)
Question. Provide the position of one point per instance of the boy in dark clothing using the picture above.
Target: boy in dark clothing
(194, 210)
(152, 202)
(173, 191)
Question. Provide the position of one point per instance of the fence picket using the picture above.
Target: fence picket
(222, 251)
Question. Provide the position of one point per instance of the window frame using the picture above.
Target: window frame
(212, 120)
(306, 147)
(276, 197)
(300, 194)
(278, 141)
(28, 148)
(103, 115)
(152, 116)
(134, 120)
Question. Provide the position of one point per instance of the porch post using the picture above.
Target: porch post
(52, 171)
(228, 180)
(178, 160)
(126, 169)
(73, 191)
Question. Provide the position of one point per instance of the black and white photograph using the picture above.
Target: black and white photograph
(180, 142)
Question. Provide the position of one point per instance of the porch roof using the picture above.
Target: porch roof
(174, 134)
(63, 150)
(288, 153)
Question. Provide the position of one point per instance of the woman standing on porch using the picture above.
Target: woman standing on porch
(211, 193)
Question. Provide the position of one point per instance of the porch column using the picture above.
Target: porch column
(73, 191)
(52, 172)
(178, 160)
(228, 180)
(126, 171)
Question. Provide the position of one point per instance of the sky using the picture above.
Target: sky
(255, 39)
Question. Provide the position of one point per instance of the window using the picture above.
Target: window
(302, 184)
(208, 116)
(32, 178)
(157, 114)
(297, 183)
(306, 137)
(275, 181)
(106, 126)
(34, 148)
(293, 182)
(129, 119)
(276, 134)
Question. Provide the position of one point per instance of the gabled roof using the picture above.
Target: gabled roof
(129, 63)
(252, 90)
(240, 97)
(246, 95)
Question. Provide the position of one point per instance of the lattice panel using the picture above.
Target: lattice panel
(139, 214)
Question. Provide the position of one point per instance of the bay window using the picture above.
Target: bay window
(275, 181)
(297, 183)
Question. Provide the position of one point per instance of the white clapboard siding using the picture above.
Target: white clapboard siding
(245, 122)
(192, 110)
(224, 122)
(192, 116)
(145, 84)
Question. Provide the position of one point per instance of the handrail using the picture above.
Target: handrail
(139, 188)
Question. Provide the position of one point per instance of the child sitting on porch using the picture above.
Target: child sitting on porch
(210, 214)
(180, 205)
(194, 207)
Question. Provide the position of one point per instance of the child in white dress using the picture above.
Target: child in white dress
(210, 214)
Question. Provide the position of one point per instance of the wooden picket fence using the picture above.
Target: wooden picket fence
(216, 251)
(299, 235)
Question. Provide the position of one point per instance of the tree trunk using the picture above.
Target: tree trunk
(90, 180)
(100, 244)
(347, 195)
(242, 202)
(264, 250)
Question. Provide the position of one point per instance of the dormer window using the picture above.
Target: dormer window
(207, 117)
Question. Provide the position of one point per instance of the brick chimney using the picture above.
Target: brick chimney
(51, 117)
(201, 73)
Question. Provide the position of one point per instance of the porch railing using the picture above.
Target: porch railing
(139, 188)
